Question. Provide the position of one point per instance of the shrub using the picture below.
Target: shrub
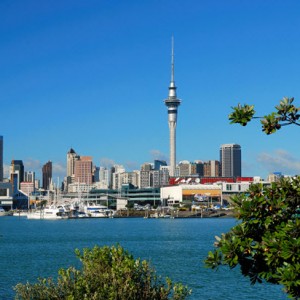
(107, 273)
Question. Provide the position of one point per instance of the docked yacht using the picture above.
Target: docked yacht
(3, 212)
(98, 211)
(48, 213)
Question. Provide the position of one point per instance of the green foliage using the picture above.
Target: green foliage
(242, 114)
(266, 241)
(107, 273)
(130, 205)
(286, 114)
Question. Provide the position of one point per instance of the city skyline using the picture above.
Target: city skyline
(92, 76)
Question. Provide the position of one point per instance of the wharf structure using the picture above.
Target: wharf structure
(126, 195)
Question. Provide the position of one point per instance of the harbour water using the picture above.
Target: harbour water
(176, 248)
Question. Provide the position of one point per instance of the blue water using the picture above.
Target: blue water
(176, 248)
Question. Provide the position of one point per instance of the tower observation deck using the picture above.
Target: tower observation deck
(172, 102)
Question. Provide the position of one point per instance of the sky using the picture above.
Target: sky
(93, 75)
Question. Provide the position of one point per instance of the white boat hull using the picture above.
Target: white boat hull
(47, 214)
(94, 211)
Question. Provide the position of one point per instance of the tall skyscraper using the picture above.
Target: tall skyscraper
(158, 163)
(199, 167)
(1, 158)
(104, 177)
(17, 169)
(47, 175)
(211, 168)
(231, 160)
(172, 103)
(84, 170)
(29, 176)
(71, 158)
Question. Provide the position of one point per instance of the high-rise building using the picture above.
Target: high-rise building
(37, 184)
(145, 179)
(146, 167)
(199, 168)
(172, 103)
(187, 168)
(96, 174)
(72, 156)
(104, 177)
(158, 163)
(84, 170)
(17, 168)
(47, 175)
(211, 168)
(160, 178)
(231, 160)
(131, 177)
(1, 158)
(29, 176)
(116, 176)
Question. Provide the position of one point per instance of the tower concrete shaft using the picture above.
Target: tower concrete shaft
(172, 103)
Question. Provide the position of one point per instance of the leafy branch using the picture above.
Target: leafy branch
(286, 114)
(265, 244)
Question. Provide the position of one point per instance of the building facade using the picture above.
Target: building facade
(72, 157)
(1, 158)
(199, 167)
(104, 178)
(84, 170)
(96, 174)
(6, 195)
(187, 168)
(27, 187)
(211, 168)
(160, 178)
(47, 175)
(190, 192)
(231, 160)
(29, 176)
(16, 171)
(159, 163)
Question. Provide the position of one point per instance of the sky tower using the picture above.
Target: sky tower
(172, 103)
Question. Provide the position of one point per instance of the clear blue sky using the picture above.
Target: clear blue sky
(93, 75)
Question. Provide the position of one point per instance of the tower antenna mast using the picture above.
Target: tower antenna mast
(172, 103)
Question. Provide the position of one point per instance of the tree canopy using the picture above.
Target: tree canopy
(286, 114)
(266, 241)
(107, 273)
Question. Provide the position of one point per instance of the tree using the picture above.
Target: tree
(286, 114)
(266, 241)
(107, 273)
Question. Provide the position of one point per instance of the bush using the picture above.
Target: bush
(107, 273)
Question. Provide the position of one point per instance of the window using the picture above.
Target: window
(3, 192)
(228, 187)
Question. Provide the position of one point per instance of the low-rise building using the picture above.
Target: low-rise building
(190, 192)
(6, 195)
